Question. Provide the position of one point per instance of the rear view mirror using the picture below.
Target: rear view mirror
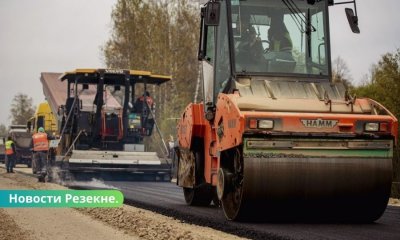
(212, 14)
(353, 20)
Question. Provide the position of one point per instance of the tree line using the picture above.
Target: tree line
(21, 110)
(161, 37)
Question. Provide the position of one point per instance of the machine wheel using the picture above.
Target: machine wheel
(202, 193)
(232, 202)
(230, 188)
(198, 153)
(199, 196)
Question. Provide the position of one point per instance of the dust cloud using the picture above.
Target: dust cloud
(68, 180)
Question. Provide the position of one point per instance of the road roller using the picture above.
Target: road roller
(274, 137)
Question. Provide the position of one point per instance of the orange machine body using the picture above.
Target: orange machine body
(231, 124)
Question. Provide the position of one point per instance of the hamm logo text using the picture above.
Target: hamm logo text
(319, 123)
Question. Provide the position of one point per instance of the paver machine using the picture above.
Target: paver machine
(275, 137)
(101, 131)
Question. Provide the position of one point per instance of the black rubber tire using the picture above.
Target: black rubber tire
(231, 204)
(202, 193)
(42, 179)
(199, 196)
(198, 152)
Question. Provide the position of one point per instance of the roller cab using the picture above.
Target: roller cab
(275, 138)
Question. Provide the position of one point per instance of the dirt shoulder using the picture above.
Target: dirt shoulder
(65, 223)
(97, 223)
(9, 229)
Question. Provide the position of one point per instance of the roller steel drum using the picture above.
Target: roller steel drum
(344, 189)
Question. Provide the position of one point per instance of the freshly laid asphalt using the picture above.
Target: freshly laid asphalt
(166, 198)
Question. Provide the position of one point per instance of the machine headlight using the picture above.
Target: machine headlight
(371, 127)
(265, 124)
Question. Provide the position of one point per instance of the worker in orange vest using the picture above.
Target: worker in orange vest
(140, 103)
(10, 155)
(40, 143)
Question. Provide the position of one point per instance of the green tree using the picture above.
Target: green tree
(21, 109)
(161, 37)
(384, 83)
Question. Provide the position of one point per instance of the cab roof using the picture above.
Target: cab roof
(114, 76)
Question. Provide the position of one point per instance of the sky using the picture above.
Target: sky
(62, 35)
(380, 34)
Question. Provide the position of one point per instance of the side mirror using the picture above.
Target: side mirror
(353, 20)
(212, 14)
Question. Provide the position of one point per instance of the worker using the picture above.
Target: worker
(146, 119)
(250, 47)
(140, 102)
(278, 35)
(40, 144)
(279, 54)
(10, 155)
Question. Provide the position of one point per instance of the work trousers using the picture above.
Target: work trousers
(10, 162)
(41, 162)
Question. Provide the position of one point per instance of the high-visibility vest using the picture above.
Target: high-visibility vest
(40, 142)
(9, 149)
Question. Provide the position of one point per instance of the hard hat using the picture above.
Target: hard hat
(41, 129)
